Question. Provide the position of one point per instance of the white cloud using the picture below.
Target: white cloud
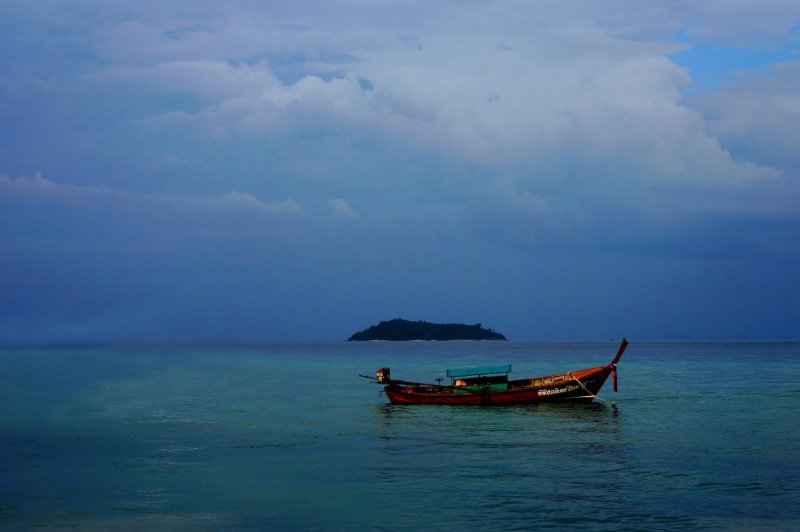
(759, 115)
(575, 104)
(37, 188)
(249, 98)
(245, 201)
(40, 190)
(342, 209)
(742, 22)
(495, 92)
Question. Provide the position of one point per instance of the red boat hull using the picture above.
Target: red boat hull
(582, 386)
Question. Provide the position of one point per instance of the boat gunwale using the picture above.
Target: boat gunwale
(577, 375)
(548, 388)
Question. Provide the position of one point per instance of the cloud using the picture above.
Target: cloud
(245, 201)
(249, 98)
(572, 115)
(483, 144)
(554, 98)
(742, 22)
(342, 209)
(758, 116)
(38, 189)
(729, 22)
(501, 100)
(42, 209)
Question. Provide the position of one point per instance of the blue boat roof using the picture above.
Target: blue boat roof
(478, 370)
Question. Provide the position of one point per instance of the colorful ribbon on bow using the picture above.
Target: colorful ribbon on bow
(614, 375)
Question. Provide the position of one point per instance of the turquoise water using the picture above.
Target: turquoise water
(287, 437)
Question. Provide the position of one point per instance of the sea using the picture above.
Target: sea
(700, 436)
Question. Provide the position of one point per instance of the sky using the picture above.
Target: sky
(244, 171)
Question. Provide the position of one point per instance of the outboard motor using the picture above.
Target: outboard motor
(382, 375)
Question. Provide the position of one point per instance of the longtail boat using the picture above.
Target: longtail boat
(489, 385)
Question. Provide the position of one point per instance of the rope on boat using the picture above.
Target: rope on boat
(593, 396)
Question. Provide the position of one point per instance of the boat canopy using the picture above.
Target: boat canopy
(479, 370)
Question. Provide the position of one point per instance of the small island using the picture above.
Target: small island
(404, 330)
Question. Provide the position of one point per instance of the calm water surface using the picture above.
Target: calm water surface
(701, 435)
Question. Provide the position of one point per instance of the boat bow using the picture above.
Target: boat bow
(614, 362)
